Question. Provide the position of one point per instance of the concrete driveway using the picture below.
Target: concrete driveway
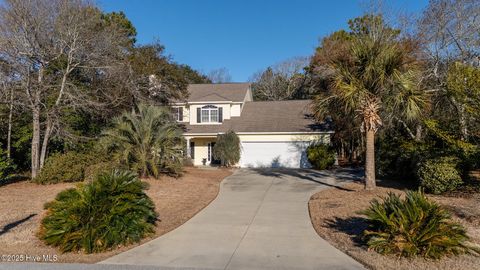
(259, 220)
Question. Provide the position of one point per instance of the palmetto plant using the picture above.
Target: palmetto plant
(112, 210)
(414, 226)
(148, 141)
(376, 81)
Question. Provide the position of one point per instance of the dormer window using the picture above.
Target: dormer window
(209, 114)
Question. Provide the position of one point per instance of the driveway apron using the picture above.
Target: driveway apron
(259, 220)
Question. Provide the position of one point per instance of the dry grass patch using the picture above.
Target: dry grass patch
(334, 216)
(176, 201)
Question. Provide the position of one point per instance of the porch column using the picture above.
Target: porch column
(188, 147)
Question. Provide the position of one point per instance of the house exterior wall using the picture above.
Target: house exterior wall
(201, 150)
(236, 110)
(201, 144)
(186, 114)
(324, 138)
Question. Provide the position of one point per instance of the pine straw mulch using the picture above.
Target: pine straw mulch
(176, 201)
(335, 218)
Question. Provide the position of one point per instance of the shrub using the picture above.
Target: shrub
(227, 148)
(321, 156)
(439, 175)
(68, 167)
(149, 141)
(112, 210)
(101, 167)
(399, 158)
(6, 166)
(414, 226)
(187, 162)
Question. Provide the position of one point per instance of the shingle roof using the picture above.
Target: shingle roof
(235, 92)
(267, 116)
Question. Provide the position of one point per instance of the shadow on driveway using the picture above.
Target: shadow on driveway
(320, 177)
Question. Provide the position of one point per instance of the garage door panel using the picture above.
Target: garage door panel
(274, 155)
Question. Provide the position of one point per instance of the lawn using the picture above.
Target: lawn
(176, 201)
(334, 216)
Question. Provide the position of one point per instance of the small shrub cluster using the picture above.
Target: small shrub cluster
(75, 167)
(68, 167)
(112, 210)
(414, 226)
(321, 156)
(439, 175)
(6, 166)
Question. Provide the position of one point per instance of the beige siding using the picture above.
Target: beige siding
(325, 138)
(201, 150)
(236, 110)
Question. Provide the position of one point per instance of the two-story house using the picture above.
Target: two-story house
(272, 133)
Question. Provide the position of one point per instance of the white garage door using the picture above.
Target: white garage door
(274, 154)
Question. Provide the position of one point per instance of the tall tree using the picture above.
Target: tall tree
(449, 31)
(46, 43)
(282, 81)
(221, 75)
(374, 80)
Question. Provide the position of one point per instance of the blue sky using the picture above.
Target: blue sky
(243, 36)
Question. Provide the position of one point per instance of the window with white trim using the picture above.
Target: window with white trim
(209, 114)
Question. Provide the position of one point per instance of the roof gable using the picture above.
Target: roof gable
(235, 92)
(212, 97)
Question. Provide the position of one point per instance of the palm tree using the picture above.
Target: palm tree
(148, 141)
(377, 80)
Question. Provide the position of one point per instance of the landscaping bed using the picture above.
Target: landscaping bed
(335, 218)
(176, 201)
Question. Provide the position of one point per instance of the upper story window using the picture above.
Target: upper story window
(177, 113)
(209, 114)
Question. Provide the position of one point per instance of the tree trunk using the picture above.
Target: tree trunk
(370, 160)
(36, 125)
(418, 133)
(35, 142)
(462, 120)
(9, 132)
(46, 137)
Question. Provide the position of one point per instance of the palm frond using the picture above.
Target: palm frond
(149, 141)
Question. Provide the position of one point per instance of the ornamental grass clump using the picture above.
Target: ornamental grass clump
(414, 226)
(112, 210)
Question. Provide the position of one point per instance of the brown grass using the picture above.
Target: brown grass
(176, 201)
(334, 216)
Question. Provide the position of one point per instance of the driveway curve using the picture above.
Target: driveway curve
(259, 220)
